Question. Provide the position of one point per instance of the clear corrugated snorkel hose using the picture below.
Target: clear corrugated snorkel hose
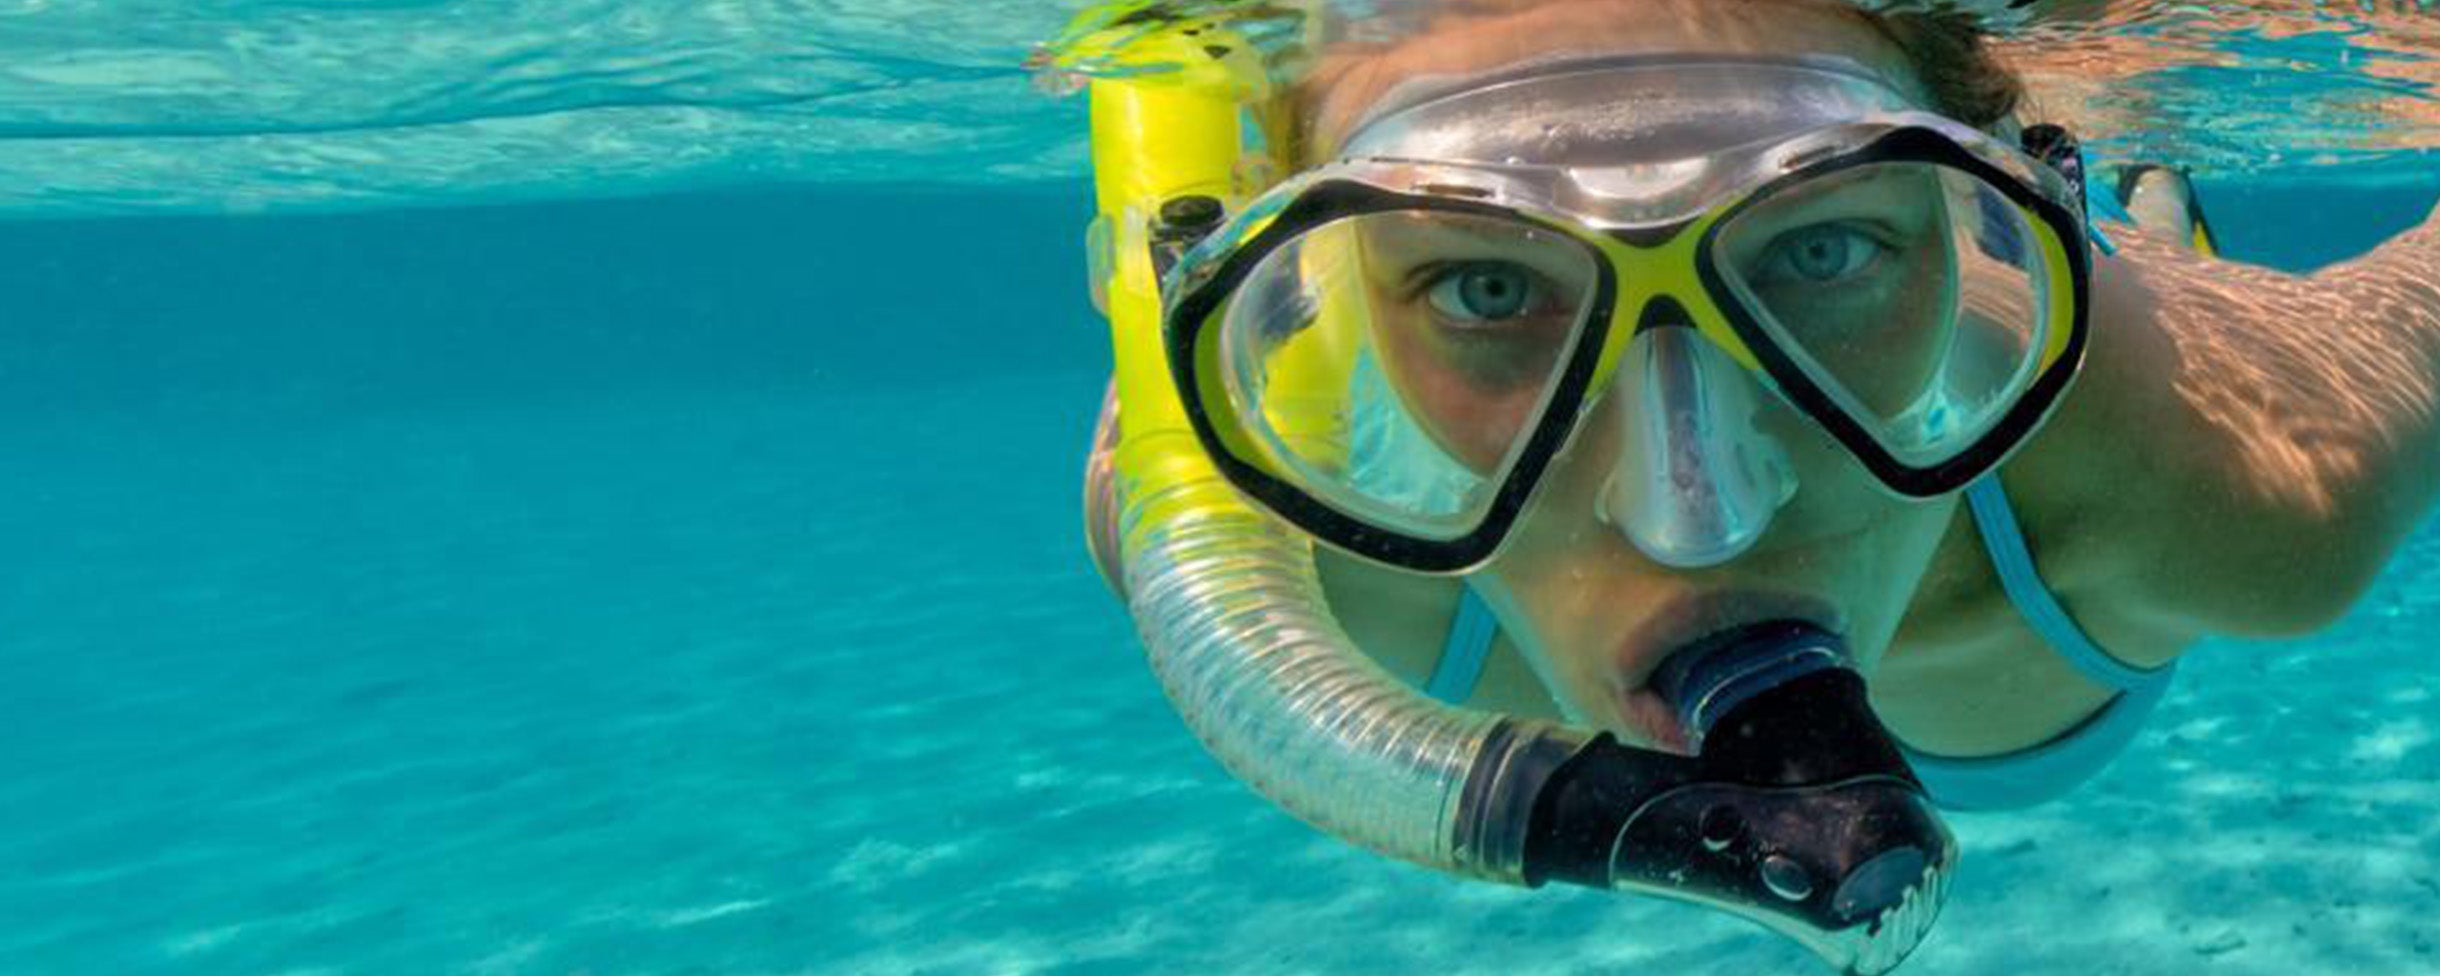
(1232, 617)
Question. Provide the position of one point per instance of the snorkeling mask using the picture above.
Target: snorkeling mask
(1694, 239)
(1612, 223)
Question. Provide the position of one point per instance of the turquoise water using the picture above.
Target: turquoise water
(689, 582)
(691, 585)
(254, 106)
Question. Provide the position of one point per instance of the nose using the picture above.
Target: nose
(1696, 480)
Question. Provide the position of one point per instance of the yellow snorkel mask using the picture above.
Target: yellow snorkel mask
(1689, 237)
(1276, 397)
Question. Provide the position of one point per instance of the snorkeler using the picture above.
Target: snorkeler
(1729, 409)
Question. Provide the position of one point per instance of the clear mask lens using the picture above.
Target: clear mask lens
(1914, 295)
(1393, 365)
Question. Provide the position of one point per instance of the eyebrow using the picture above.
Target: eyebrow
(1429, 237)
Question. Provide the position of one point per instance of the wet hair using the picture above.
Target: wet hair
(1948, 51)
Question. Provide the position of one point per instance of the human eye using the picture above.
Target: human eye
(1478, 294)
(1827, 253)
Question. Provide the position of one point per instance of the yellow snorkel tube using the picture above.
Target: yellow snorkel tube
(1235, 625)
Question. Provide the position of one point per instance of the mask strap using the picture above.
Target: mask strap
(2059, 148)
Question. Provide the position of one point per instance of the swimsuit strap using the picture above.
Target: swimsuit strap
(2047, 771)
(2100, 202)
(2038, 774)
(2004, 539)
(1468, 646)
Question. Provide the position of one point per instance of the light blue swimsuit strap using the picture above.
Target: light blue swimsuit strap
(2102, 202)
(1463, 653)
(2043, 772)
(1995, 518)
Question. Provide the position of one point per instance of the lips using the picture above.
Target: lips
(1644, 713)
(1682, 622)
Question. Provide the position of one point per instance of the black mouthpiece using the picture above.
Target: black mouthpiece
(1798, 810)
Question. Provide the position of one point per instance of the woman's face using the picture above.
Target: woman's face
(1472, 322)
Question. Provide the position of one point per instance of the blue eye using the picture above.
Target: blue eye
(1484, 292)
(1819, 254)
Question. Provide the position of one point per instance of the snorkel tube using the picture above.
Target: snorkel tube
(1798, 812)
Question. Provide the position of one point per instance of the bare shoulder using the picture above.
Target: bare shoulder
(2246, 446)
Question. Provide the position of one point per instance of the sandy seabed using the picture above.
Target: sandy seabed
(677, 687)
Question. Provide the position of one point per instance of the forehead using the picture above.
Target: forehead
(1352, 81)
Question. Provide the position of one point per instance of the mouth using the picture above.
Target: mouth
(1650, 718)
(1641, 710)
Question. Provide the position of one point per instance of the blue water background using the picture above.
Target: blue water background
(692, 585)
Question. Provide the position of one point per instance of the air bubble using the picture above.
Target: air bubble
(1786, 878)
(1718, 829)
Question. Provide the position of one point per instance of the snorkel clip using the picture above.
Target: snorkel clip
(2060, 150)
(1183, 222)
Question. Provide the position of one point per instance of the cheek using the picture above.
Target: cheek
(1877, 572)
(1890, 366)
(1479, 430)
(1473, 416)
(1565, 607)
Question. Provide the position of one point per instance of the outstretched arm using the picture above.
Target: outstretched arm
(2247, 446)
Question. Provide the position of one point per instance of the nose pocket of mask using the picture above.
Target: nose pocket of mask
(1695, 482)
